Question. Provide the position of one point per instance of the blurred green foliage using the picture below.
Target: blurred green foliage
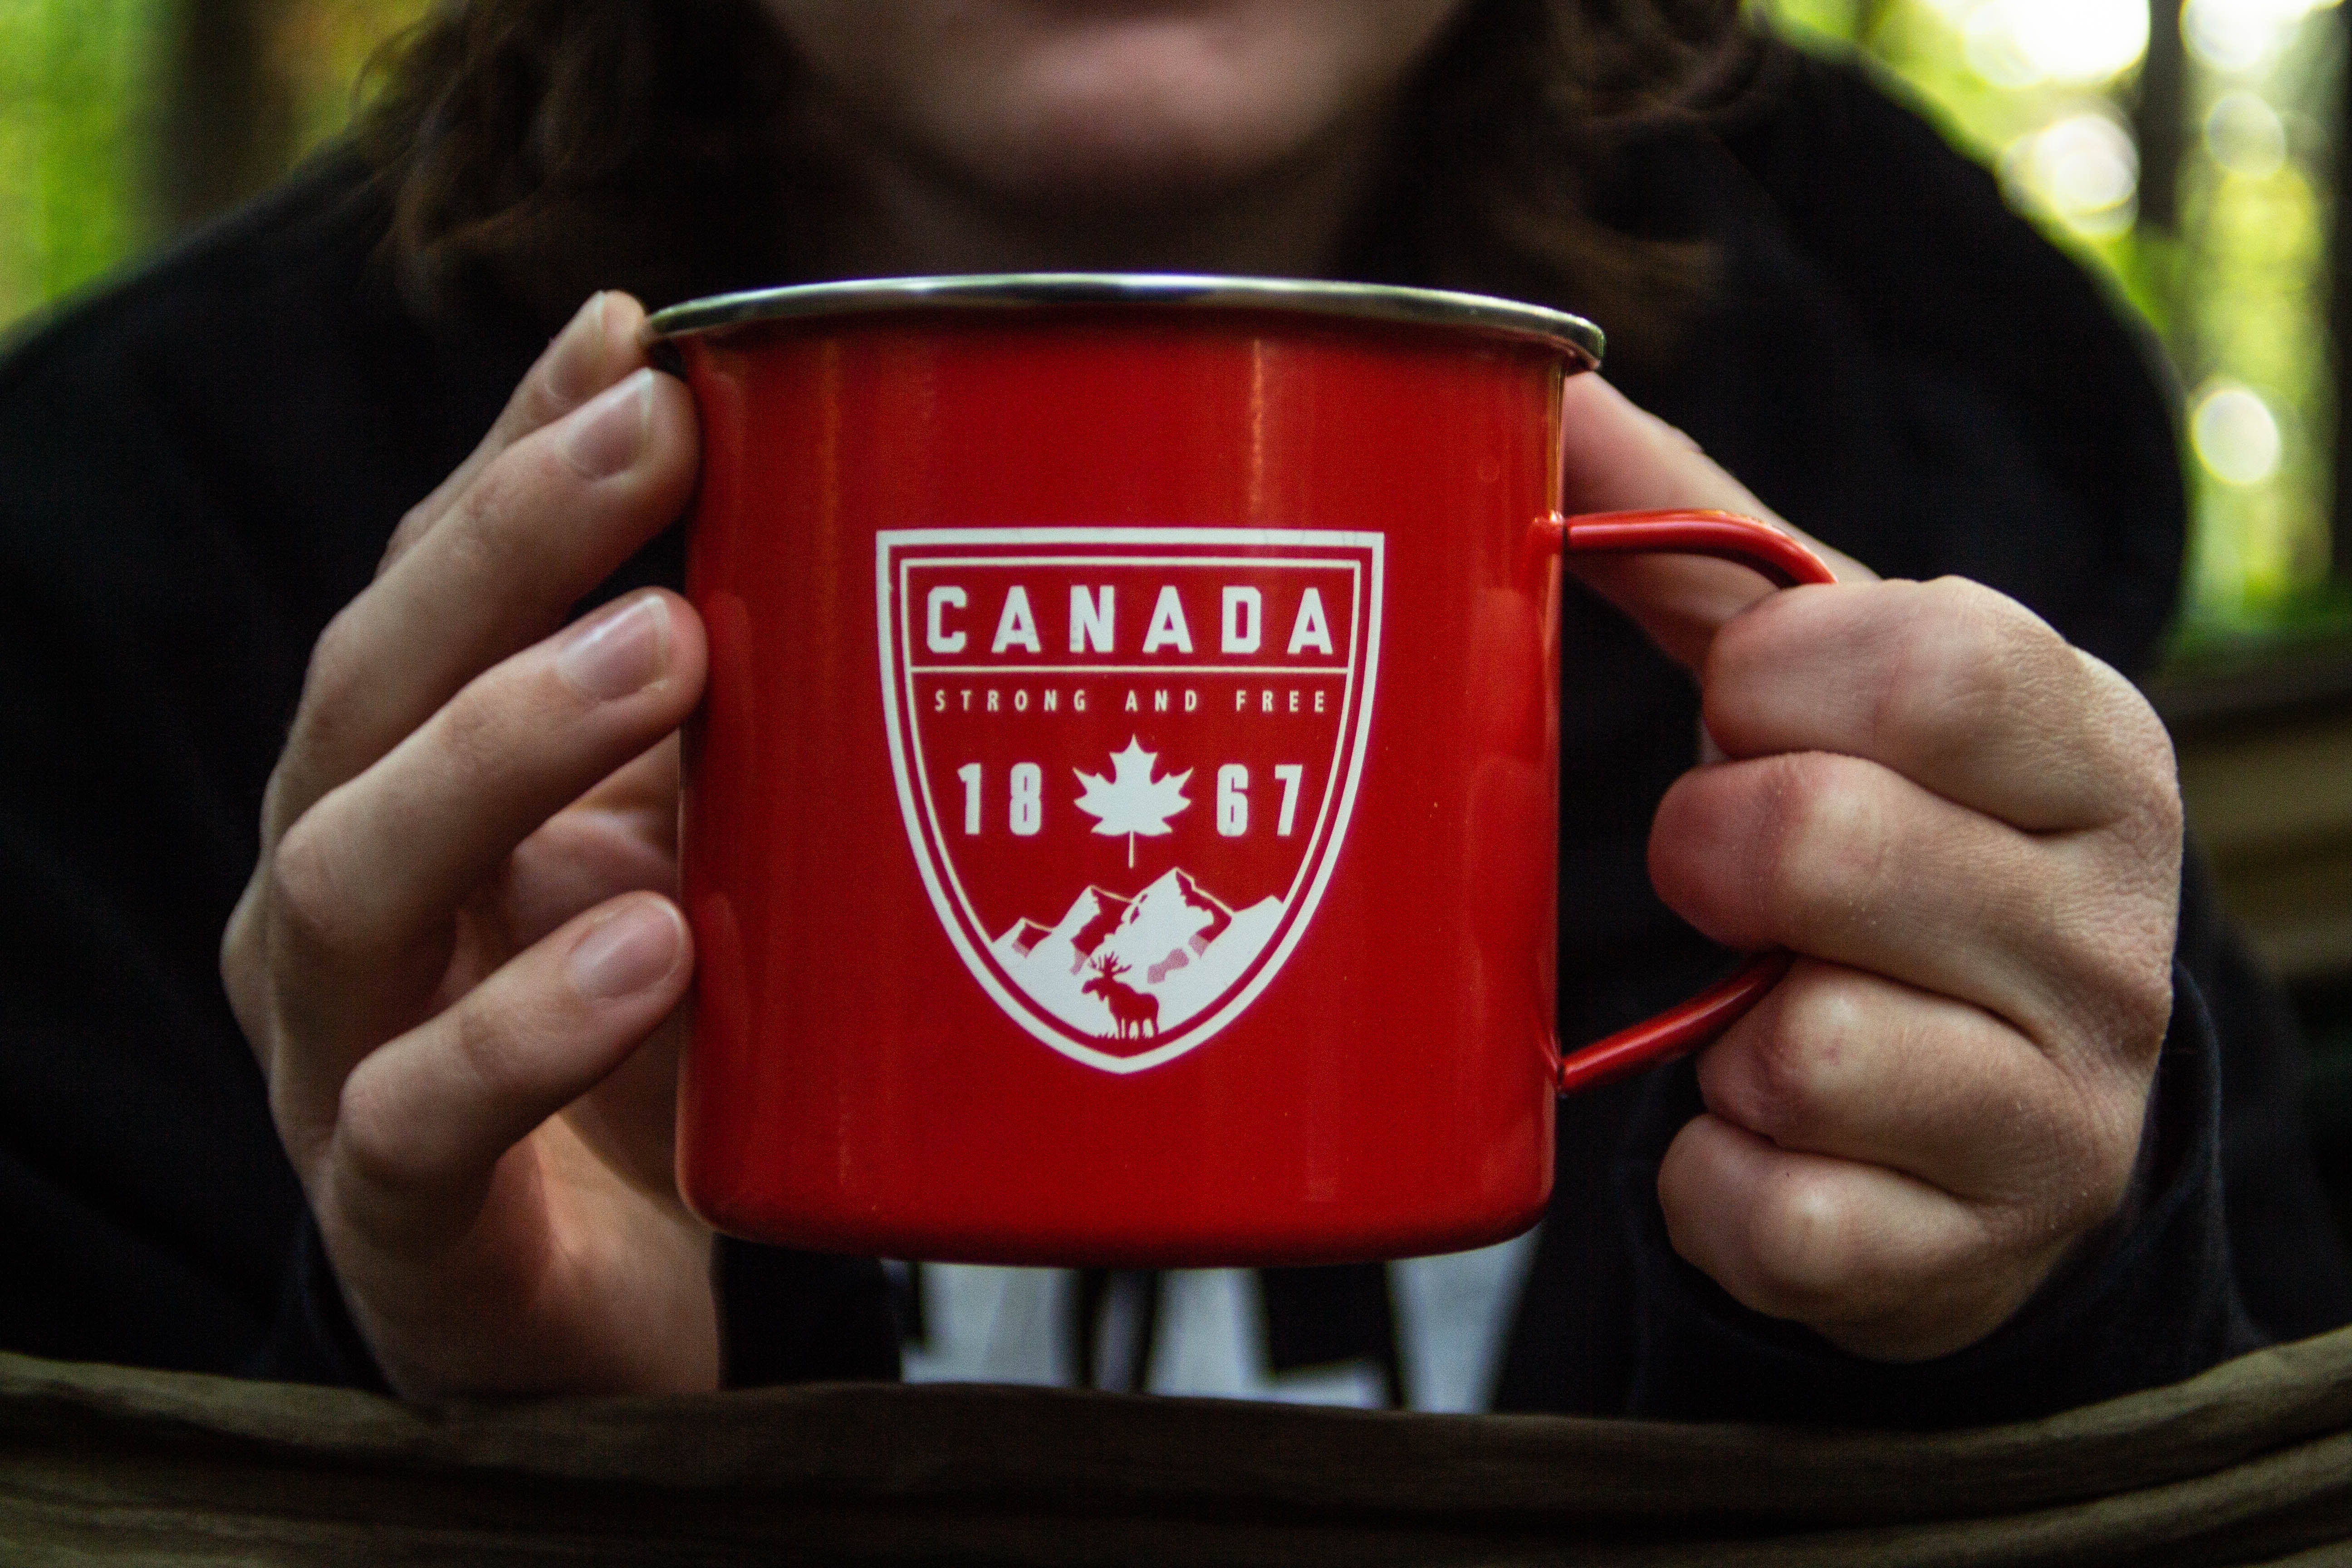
(68, 147)
(324, 47)
(2043, 91)
(2236, 289)
(80, 82)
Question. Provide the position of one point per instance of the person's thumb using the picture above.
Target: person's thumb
(1617, 458)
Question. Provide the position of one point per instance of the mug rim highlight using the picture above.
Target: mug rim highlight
(1578, 340)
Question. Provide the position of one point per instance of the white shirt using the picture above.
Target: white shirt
(1013, 1325)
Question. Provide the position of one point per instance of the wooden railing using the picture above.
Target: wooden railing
(2265, 754)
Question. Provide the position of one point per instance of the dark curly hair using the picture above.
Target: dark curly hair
(548, 148)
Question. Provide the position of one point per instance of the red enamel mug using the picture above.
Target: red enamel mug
(1122, 826)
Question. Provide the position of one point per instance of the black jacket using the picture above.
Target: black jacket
(198, 468)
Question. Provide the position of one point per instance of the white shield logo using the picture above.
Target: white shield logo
(1127, 759)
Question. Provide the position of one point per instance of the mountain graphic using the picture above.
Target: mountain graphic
(1163, 956)
(1105, 912)
(1024, 935)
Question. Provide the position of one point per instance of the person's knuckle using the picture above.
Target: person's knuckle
(414, 524)
(2139, 983)
(2167, 811)
(240, 944)
(2146, 830)
(309, 900)
(2091, 1151)
(1798, 1055)
(487, 540)
(1820, 846)
(1963, 660)
(2143, 769)
(485, 1042)
(243, 961)
(376, 1139)
(2111, 964)
(341, 666)
(466, 736)
(1803, 1248)
(478, 734)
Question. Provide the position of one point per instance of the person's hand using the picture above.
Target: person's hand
(1969, 834)
(457, 958)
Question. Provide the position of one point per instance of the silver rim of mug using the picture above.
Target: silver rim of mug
(1578, 340)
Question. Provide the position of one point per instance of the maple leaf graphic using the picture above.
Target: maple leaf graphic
(1132, 801)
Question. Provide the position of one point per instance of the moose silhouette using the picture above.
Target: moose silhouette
(1133, 1014)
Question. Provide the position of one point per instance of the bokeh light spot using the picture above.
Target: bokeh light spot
(2234, 433)
(2245, 136)
(2240, 35)
(2083, 169)
(2020, 43)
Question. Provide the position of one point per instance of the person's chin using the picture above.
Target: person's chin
(1116, 160)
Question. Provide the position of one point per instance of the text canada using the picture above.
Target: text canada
(1239, 620)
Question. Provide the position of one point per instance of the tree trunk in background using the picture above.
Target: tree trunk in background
(2157, 119)
(225, 121)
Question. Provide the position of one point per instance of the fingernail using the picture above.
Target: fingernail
(606, 436)
(625, 954)
(621, 652)
(579, 350)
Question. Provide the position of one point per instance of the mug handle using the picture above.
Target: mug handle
(1727, 536)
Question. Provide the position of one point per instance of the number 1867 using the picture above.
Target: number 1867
(1025, 799)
